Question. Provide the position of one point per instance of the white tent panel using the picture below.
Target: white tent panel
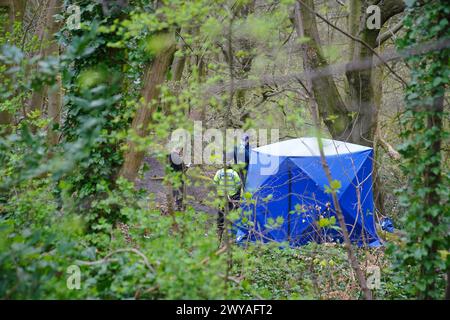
(308, 147)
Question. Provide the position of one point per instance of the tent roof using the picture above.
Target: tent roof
(308, 147)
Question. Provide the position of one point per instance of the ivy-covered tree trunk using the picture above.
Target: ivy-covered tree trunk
(424, 253)
(94, 108)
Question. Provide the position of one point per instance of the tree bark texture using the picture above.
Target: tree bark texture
(154, 76)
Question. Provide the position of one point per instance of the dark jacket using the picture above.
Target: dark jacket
(241, 154)
(176, 162)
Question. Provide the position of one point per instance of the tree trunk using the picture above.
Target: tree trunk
(361, 99)
(154, 76)
(54, 111)
(177, 68)
(36, 101)
(352, 119)
(15, 10)
(178, 65)
(447, 290)
(48, 46)
(432, 175)
(379, 195)
(5, 116)
(246, 66)
(54, 94)
(332, 109)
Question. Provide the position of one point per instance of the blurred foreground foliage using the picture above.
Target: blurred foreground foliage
(158, 256)
(63, 205)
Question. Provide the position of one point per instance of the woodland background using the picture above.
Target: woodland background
(86, 112)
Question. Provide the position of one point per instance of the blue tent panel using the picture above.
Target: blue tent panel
(287, 183)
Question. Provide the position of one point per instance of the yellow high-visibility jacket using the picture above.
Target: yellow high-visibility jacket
(233, 182)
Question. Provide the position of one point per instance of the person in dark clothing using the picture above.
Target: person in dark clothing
(241, 155)
(177, 166)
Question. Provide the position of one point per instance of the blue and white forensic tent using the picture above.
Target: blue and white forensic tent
(289, 198)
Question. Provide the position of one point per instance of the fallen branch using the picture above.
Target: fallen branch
(238, 282)
(389, 33)
(218, 252)
(109, 255)
(394, 154)
(156, 178)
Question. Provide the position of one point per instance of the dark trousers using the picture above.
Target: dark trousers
(178, 196)
(243, 174)
(221, 213)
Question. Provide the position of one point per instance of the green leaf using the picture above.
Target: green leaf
(335, 184)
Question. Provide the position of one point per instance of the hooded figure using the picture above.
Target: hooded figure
(178, 167)
(241, 155)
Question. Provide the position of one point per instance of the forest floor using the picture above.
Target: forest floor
(197, 191)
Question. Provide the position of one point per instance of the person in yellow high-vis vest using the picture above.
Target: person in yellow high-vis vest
(232, 184)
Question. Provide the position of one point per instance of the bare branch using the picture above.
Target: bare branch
(394, 154)
(355, 39)
(389, 33)
(389, 55)
(109, 255)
